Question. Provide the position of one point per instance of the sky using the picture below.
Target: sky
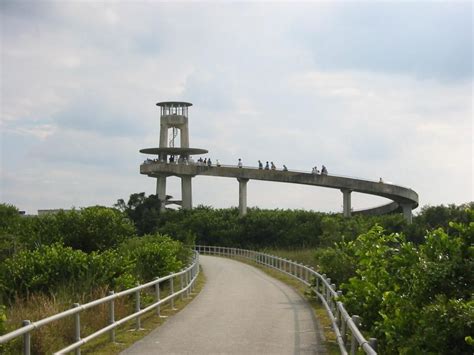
(369, 89)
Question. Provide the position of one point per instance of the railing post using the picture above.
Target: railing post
(137, 309)
(26, 339)
(172, 293)
(373, 343)
(338, 311)
(112, 317)
(181, 280)
(328, 289)
(187, 279)
(354, 344)
(77, 328)
(333, 301)
(343, 330)
(157, 297)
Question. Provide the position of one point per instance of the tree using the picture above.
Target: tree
(143, 211)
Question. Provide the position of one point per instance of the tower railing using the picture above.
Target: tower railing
(348, 336)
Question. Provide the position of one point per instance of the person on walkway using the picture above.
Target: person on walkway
(324, 171)
(267, 167)
(260, 165)
(218, 164)
(273, 166)
(285, 168)
(209, 162)
(239, 164)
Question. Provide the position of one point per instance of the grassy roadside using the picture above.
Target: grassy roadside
(126, 335)
(302, 256)
(318, 309)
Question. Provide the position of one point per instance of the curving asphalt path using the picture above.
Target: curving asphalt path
(240, 310)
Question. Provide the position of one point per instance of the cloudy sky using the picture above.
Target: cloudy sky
(370, 89)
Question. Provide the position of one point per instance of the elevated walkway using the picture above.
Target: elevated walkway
(403, 199)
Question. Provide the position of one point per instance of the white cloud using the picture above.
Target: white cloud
(80, 82)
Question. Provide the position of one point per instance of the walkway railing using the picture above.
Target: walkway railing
(348, 335)
(213, 165)
(187, 278)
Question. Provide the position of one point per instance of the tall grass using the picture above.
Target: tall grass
(58, 334)
(303, 256)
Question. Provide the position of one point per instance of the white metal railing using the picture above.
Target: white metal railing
(187, 279)
(342, 322)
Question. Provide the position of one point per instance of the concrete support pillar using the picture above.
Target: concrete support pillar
(346, 202)
(161, 190)
(163, 135)
(184, 136)
(186, 193)
(242, 196)
(407, 212)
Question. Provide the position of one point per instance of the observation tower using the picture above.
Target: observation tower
(174, 117)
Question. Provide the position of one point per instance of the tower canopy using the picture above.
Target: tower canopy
(174, 104)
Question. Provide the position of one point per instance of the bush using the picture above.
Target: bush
(414, 299)
(155, 256)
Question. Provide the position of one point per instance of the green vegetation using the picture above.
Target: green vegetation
(411, 284)
(49, 262)
(414, 299)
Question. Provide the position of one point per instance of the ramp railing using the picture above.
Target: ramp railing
(349, 337)
(186, 279)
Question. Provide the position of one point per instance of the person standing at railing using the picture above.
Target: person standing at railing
(260, 165)
(285, 168)
(209, 162)
(267, 167)
(324, 171)
(217, 163)
(239, 164)
(273, 166)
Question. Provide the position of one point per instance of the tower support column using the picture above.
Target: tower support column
(161, 190)
(346, 202)
(186, 193)
(242, 196)
(406, 207)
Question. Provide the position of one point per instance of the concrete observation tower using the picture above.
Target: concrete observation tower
(174, 117)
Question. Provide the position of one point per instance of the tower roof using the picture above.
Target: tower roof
(174, 103)
(174, 150)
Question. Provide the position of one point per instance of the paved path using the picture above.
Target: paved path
(240, 310)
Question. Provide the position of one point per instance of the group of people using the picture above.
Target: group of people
(208, 162)
(149, 161)
(270, 166)
(323, 171)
